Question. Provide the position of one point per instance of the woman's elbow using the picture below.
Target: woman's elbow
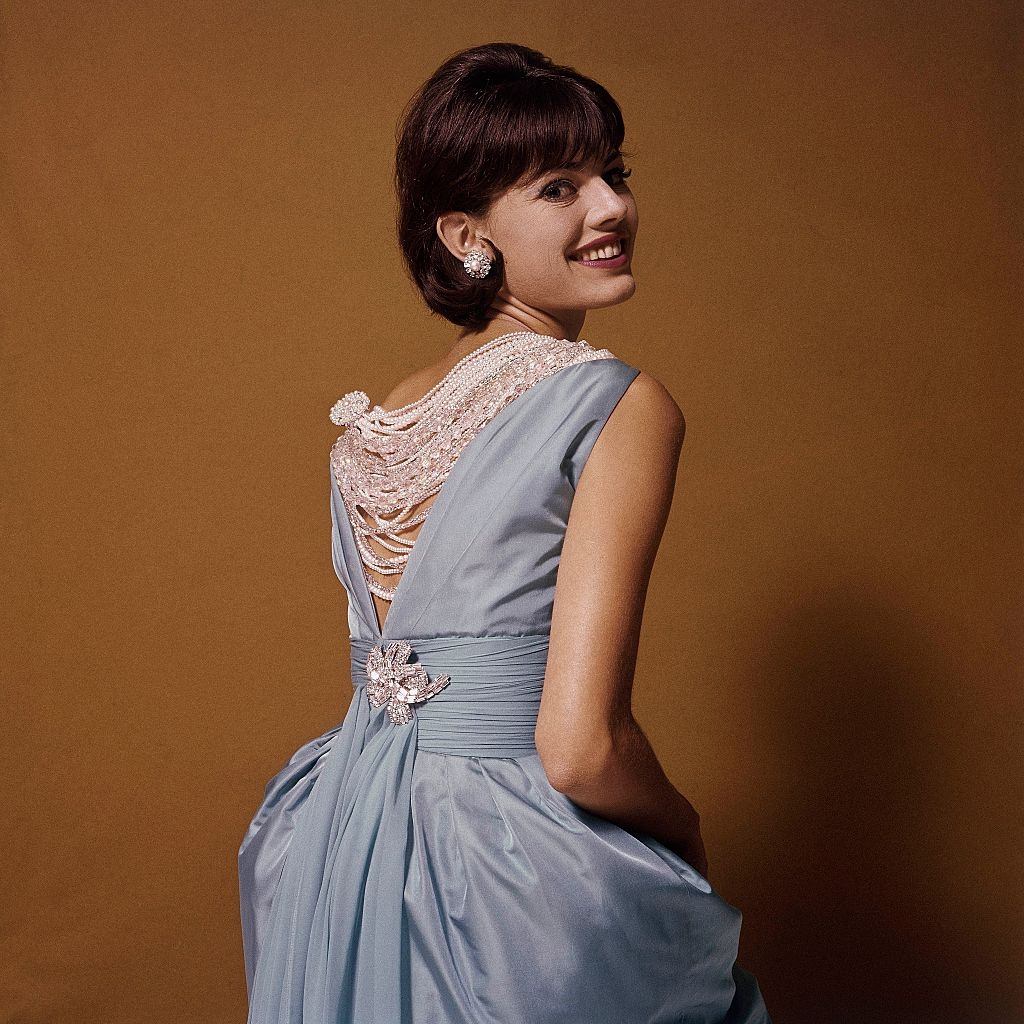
(572, 764)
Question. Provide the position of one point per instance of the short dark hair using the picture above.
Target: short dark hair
(487, 117)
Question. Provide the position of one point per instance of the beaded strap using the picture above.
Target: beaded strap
(386, 462)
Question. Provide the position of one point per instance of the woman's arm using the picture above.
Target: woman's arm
(592, 748)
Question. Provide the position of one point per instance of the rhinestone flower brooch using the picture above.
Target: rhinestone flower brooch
(397, 685)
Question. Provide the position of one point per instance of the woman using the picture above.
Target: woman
(488, 836)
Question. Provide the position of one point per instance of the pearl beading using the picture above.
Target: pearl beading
(386, 462)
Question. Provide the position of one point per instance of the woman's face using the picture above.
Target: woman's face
(540, 226)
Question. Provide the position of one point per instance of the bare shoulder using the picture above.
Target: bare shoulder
(648, 400)
(636, 452)
(646, 426)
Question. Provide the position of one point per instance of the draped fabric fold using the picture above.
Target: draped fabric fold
(340, 898)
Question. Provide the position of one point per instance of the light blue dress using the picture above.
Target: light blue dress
(428, 872)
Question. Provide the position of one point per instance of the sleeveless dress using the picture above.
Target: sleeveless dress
(421, 869)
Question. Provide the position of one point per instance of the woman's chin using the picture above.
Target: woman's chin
(614, 292)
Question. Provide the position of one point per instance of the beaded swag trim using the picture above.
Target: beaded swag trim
(386, 462)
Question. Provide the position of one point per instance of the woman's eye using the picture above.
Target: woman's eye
(620, 174)
(547, 194)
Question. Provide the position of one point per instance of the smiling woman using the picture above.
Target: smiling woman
(505, 153)
(487, 837)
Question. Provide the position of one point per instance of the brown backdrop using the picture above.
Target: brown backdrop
(199, 259)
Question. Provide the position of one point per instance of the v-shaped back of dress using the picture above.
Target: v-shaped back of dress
(485, 559)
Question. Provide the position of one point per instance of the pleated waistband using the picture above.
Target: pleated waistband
(490, 707)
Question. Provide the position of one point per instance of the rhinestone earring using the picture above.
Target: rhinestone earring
(477, 263)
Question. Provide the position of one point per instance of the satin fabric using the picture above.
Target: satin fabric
(428, 873)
